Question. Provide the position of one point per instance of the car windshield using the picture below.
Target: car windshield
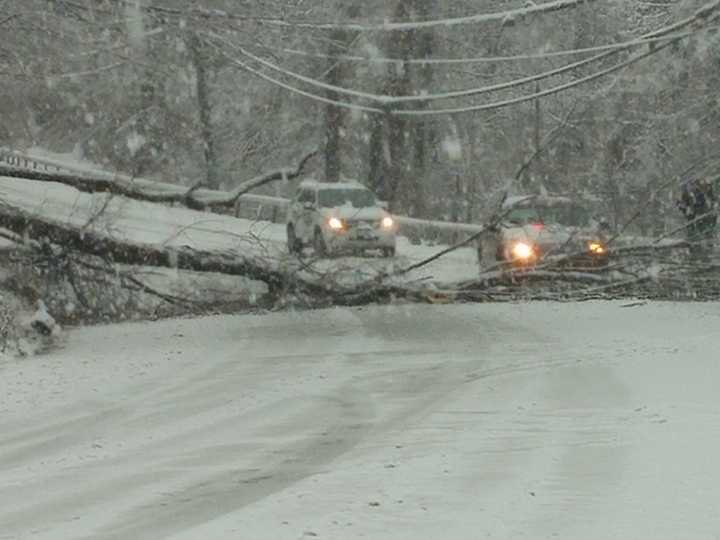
(523, 216)
(358, 198)
(568, 215)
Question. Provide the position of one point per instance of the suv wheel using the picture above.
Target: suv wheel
(293, 243)
(319, 245)
(388, 252)
(489, 252)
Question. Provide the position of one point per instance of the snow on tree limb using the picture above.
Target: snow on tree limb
(157, 192)
(283, 174)
(90, 242)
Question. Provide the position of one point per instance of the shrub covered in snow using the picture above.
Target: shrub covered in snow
(24, 328)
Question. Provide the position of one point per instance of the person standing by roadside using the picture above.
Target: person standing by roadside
(698, 203)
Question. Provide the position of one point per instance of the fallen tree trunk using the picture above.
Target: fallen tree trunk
(316, 289)
(195, 197)
(291, 278)
(86, 241)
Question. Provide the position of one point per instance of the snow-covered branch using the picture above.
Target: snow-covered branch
(157, 192)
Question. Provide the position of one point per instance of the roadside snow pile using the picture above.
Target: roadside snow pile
(24, 329)
(42, 322)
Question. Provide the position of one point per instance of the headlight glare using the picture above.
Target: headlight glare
(597, 248)
(336, 224)
(388, 222)
(522, 250)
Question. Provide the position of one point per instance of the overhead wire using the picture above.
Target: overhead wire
(385, 100)
(477, 59)
(448, 111)
(290, 88)
(703, 13)
(535, 95)
(506, 17)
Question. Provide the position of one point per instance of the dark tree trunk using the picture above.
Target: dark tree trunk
(405, 169)
(202, 89)
(421, 46)
(398, 83)
(336, 71)
(334, 116)
(396, 175)
(375, 158)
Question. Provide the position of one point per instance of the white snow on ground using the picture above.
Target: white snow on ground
(155, 224)
(589, 421)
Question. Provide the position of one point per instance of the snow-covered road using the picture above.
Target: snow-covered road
(412, 422)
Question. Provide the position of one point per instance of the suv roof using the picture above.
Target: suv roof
(542, 200)
(315, 185)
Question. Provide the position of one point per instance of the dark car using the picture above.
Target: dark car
(544, 228)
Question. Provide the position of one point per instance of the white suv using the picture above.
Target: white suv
(333, 217)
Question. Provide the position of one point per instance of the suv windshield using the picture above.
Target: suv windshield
(568, 215)
(358, 198)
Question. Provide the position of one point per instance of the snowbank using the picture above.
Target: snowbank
(25, 329)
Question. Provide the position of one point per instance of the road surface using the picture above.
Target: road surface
(588, 421)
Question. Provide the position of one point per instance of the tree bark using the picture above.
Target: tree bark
(202, 90)
(398, 83)
(319, 290)
(421, 46)
(336, 72)
(126, 252)
(156, 192)
(403, 174)
(376, 180)
(334, 115)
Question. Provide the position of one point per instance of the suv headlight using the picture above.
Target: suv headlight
(523, 251)
(597, 248)
(387, 222)
(336, 224)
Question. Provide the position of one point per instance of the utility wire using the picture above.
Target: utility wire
(507, 17)
(290, 88)
(535, 95)
(703, 14)
(436, 112)
(478, 59)
(385, 100)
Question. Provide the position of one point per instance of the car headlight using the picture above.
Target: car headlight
(387, 222)
(523, 251)
(336, 224)
(597, 248)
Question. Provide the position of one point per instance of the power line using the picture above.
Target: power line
(291, 88)
(377, 98)
(507, 17)
(480, 59)
(702, 14)
(536, 95)
(383, 99)
(460, 110)
(387, 99)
